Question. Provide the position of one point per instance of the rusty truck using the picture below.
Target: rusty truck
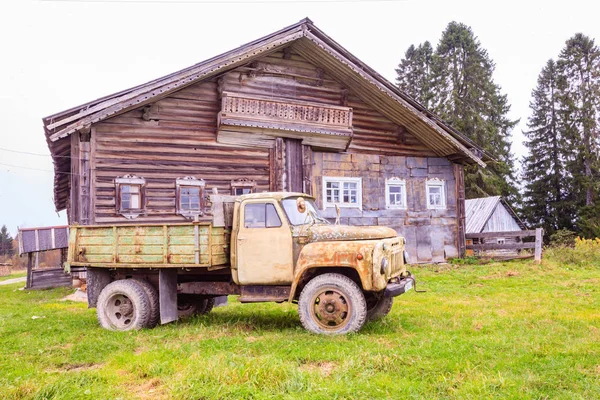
(262, 247)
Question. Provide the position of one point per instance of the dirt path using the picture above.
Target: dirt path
(14, 280)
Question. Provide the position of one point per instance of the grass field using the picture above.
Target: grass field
(501, 330)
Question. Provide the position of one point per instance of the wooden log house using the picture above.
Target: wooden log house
(291, 111)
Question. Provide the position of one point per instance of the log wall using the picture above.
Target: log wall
(178, 140)
(431, 235)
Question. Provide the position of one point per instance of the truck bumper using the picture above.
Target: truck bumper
(397, 288)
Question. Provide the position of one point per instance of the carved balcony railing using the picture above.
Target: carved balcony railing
(316, 124)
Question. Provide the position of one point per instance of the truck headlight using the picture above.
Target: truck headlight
(406, 259)
(384, 266)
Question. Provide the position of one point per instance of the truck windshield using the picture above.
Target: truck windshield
(311, 215)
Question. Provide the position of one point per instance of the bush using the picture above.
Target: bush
(584, 253)
(563, 238)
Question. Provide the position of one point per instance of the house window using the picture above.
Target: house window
(345, 192)
(436, 194)
(261, 215)
(242, 186)
(130, 198)
(395, 193)
(190, 196)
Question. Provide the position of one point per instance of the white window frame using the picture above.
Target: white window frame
(343, 180)
(396, 182)
(130, 180)
(435, 182)
(187, 182)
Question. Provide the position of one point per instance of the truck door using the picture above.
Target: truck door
(264, 245)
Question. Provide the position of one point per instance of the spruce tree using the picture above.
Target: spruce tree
(579, 83)
(467, 98)
(546, 198)
(415, 74)
(456, 83)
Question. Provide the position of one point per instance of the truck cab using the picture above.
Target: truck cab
(279, 249)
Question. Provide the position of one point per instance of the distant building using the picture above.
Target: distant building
(492, 214)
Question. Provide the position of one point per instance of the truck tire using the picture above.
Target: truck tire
(194, 305)
(332, 304)
(378, 307)
(152, 294)
(123, 305)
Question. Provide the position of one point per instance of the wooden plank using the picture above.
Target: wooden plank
(539, 233)
(293, 165)
(501, 246)
(29, 270)
(459, 177)
(483, 235)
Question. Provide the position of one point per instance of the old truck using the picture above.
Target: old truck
(263, 247)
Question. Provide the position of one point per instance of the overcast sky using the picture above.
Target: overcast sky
(59, 54)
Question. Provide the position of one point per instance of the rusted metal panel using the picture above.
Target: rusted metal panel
(208, 288)
(262, 293)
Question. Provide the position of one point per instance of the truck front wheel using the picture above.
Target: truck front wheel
(123, 305)
(378, 306)
(332, 304)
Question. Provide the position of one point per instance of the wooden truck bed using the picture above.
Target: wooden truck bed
(182, 245)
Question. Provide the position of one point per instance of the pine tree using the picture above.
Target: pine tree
(579, 83)
(415, 74)
(6, 243)
(546, 200)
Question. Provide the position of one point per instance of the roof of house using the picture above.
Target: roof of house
(478, 212)
(311, 43)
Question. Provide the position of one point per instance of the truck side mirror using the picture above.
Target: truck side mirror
(301, 205)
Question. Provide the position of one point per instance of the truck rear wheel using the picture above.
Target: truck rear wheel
(153, 300)
(332, 304)
(378, 306)
(123, 305)
(194, 305)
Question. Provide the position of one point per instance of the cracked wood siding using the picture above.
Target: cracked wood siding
(179, 139)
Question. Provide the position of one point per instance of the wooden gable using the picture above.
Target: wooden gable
(309, 59)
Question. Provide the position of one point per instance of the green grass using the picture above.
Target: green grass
(501, 330)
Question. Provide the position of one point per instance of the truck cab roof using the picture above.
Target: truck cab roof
(272, 195)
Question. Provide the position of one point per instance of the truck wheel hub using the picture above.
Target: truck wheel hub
(120, 310)
(331, 309)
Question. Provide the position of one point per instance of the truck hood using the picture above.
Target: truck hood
(326, 233)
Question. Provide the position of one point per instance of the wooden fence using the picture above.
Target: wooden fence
(519, 245)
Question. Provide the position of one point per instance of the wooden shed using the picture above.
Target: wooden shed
(493, 214)
(291, 111)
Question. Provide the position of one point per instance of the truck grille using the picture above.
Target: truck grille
(395, 255)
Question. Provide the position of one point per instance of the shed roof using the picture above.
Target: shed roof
(478, 212)
(308, 41)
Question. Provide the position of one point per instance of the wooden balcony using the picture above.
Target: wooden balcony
(319, 125)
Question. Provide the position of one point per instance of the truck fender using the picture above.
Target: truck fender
(339, 255)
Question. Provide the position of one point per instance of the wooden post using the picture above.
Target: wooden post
(538, 245)
(29, 270)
